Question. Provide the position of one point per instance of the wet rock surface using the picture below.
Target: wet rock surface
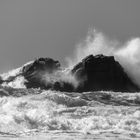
(102, 73)
(93, 73)
(34, 71)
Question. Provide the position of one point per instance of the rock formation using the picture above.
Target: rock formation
(102, 73)
(33, 72)
(93, 73)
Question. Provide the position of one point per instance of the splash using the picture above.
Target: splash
(129, 57)
(63, 77)
(128, 53)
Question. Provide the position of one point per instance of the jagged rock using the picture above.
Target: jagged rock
(34, 72)
(42, 64)
(93, 73)
(102, 73)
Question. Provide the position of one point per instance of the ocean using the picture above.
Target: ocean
(34, 114)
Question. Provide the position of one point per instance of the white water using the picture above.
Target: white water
(87, 114)
(127, 53)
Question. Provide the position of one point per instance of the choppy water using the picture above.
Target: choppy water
(62, 115)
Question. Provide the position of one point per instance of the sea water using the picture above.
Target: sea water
(62, 115)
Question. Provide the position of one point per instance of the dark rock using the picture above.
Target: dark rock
(34, 72)
(102, 73)
(1, 80)
(41, 64)
(93, 73)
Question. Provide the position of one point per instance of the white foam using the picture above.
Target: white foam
(128, 53)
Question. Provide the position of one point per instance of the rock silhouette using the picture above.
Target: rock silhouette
(102, 73)
(93, 73)
(34, 71)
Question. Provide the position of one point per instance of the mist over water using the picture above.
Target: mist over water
(63, 76)
(127, 53)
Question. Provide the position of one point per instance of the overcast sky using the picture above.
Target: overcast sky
(52, 28)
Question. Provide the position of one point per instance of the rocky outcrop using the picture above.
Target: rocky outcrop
(93, 73)
(42, 64)
(34, 72)
(102, 73)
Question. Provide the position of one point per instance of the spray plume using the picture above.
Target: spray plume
(128, 53)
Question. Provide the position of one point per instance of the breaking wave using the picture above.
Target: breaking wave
(87, 113)
(127, 53)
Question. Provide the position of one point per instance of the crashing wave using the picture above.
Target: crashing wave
(93, 73)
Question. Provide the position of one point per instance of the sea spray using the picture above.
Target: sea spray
(128, 53)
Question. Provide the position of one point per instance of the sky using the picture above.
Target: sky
(52, 28)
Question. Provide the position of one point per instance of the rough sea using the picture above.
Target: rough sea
(31, 114)
(35, 114)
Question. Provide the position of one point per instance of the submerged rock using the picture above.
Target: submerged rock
(102, 73)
